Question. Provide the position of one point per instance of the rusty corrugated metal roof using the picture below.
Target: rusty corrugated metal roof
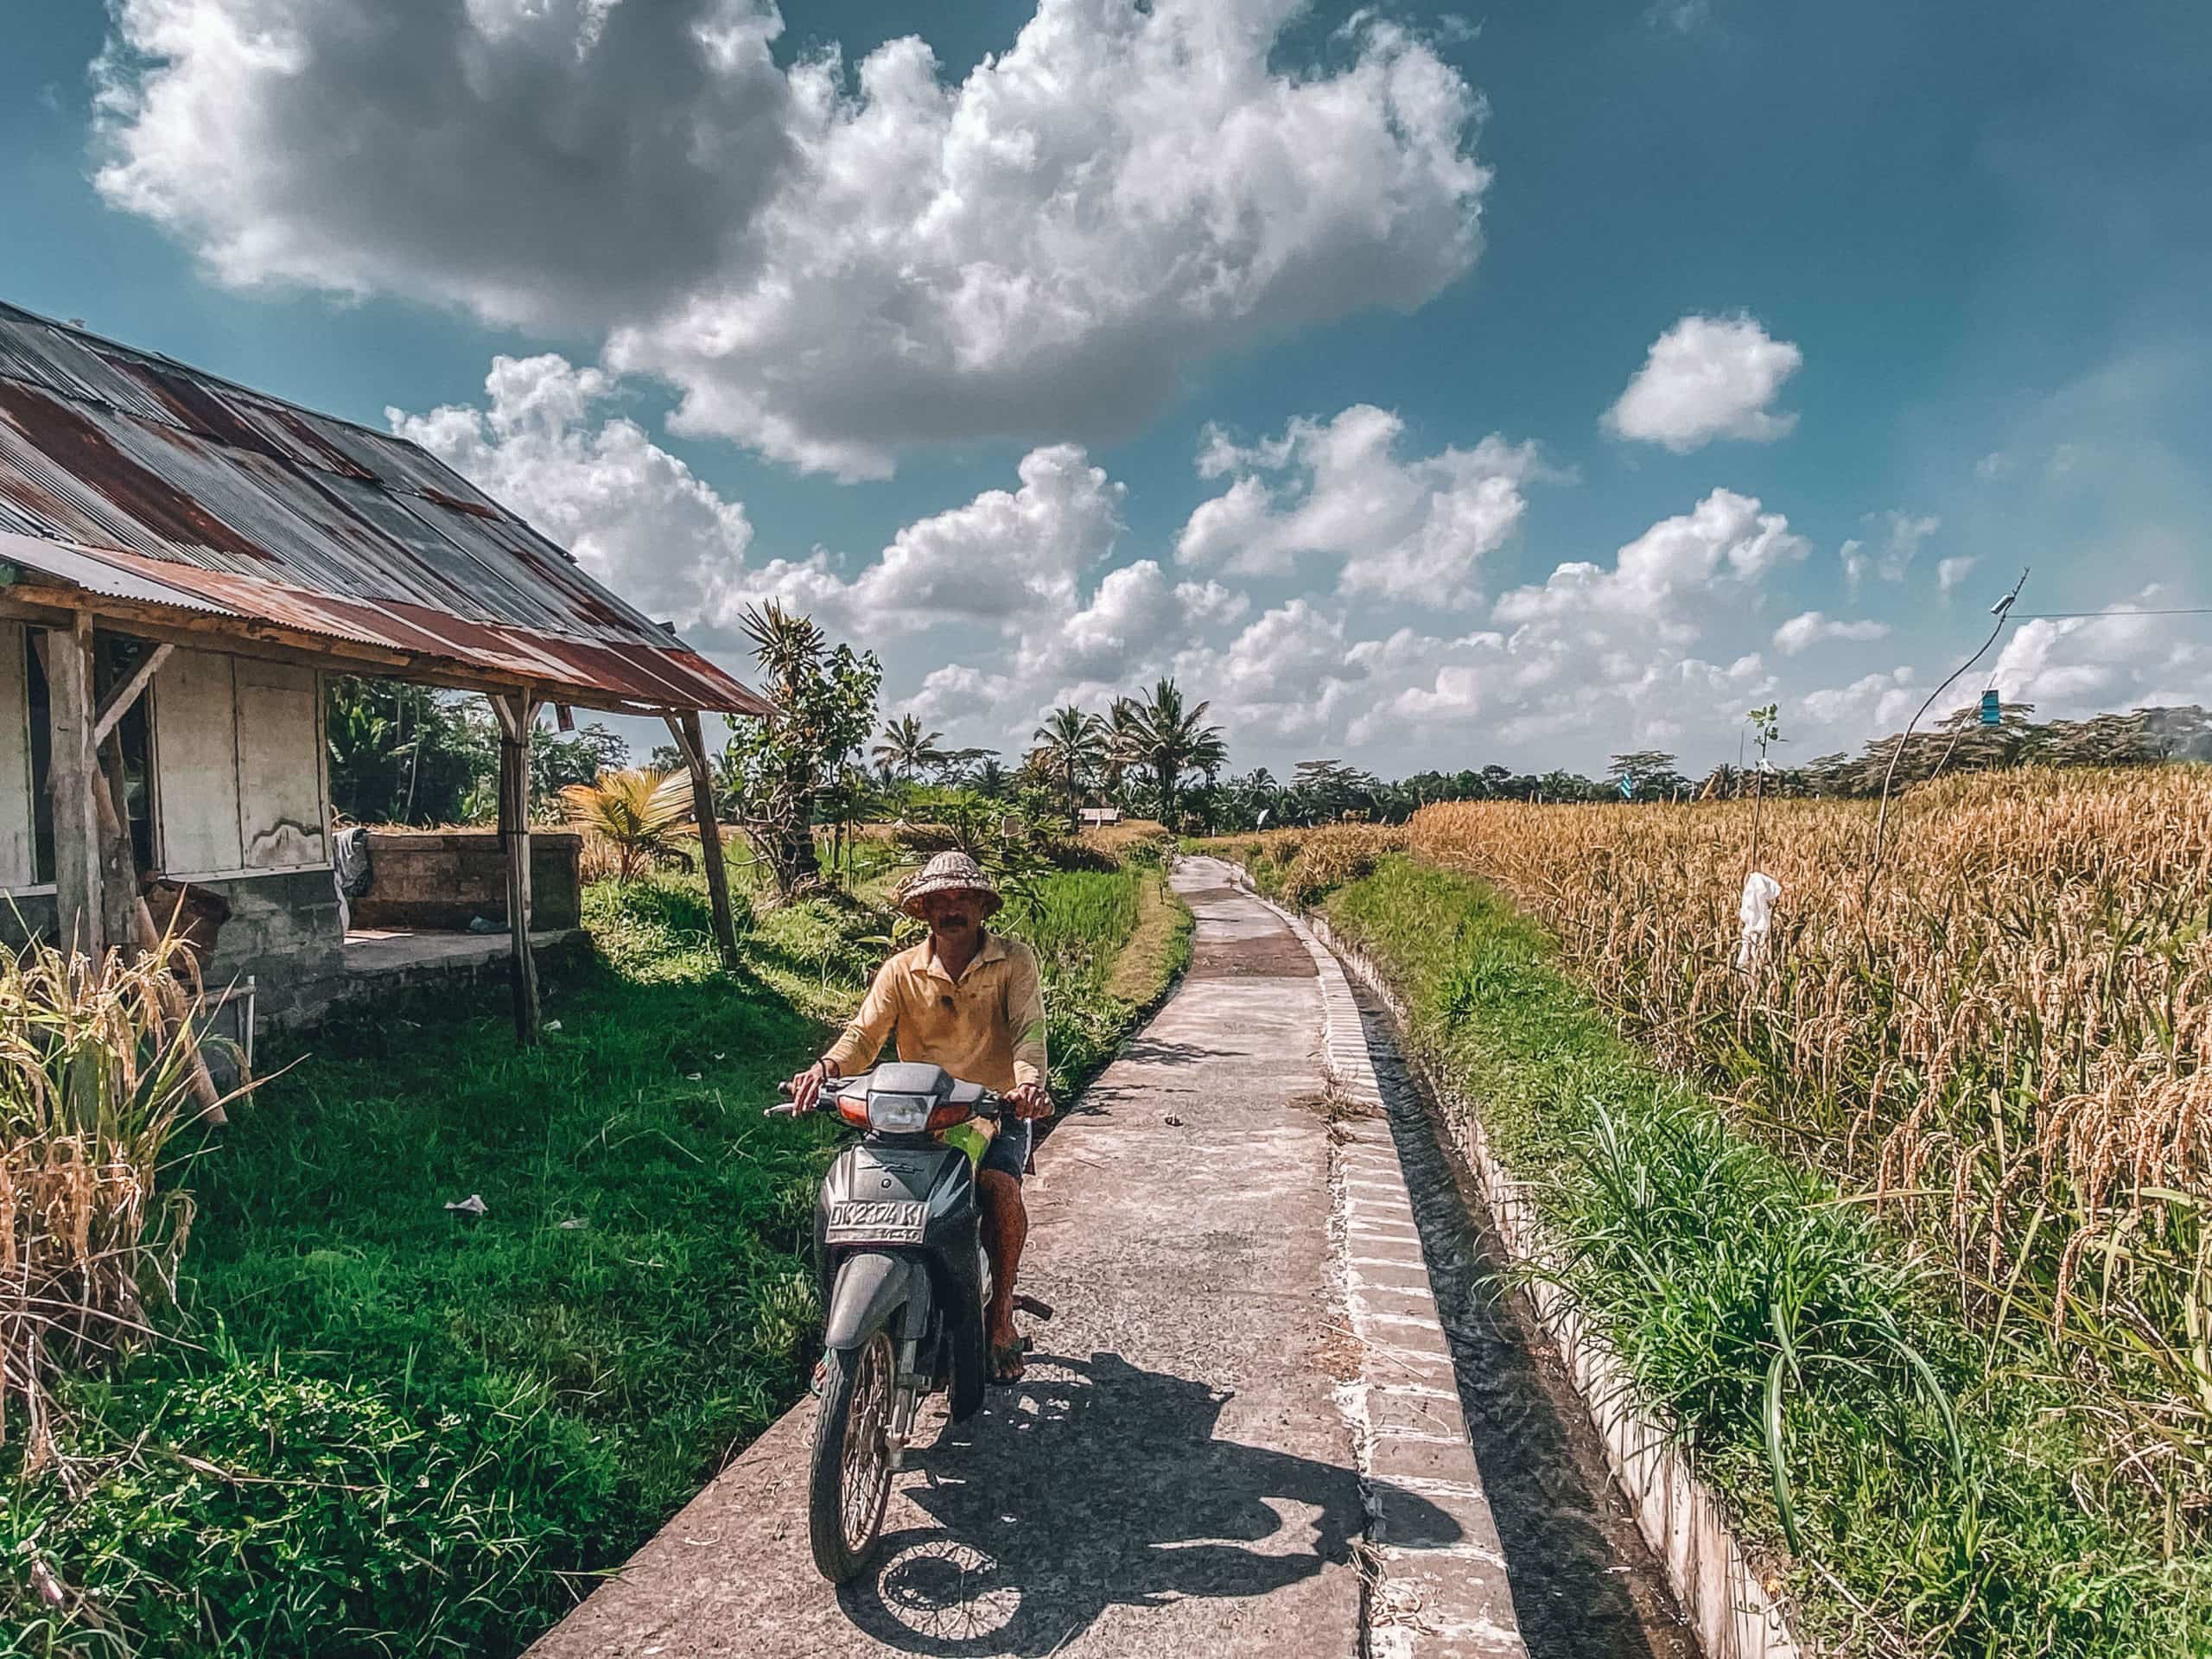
(129, 475)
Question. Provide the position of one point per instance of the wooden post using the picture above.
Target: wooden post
(517, 713)
(684, 728)
(73, 773)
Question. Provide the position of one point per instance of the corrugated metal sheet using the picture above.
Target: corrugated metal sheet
(129, 475)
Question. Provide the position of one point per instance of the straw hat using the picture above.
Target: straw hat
(949, 872)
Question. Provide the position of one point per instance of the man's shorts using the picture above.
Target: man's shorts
(1009, 1153)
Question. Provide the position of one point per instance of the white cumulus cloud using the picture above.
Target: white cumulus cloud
(634, 515)
(2072, 667)
(1897, 536)
(832, 263)
(1802, 632)
(1415, 528)
(1949, 572)
(1708, 377)
(1868, 707)
(1655, 578)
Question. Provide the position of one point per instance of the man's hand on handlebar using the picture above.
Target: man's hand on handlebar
(805, 1088)
(1030, 1100)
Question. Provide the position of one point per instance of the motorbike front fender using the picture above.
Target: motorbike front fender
(870, 1287)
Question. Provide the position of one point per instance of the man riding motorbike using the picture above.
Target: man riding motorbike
(968, 1000)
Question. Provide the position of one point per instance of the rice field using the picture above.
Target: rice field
(1998, 1039)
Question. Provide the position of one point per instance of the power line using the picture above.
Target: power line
(2060, 616)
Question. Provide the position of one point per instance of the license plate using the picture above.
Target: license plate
(878, 1221)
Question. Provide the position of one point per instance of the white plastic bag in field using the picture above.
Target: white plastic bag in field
(1757, 913)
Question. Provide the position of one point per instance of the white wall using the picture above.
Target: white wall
(238, 760)
(196, 763)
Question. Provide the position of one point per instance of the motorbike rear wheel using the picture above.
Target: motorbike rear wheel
(848, 1481)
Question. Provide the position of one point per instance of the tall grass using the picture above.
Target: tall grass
(1298, 866)
(2003, 1038)
(1075, 921)
(94, 1083)
(1936, 1499)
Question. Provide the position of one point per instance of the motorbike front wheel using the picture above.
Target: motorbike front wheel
(849, 1479)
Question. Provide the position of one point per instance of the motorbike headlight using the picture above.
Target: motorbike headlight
(897, 1114)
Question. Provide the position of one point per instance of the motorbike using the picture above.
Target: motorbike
(898, 1257)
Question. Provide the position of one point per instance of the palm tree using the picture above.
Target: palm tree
(1119, 738)
(636, 811)
(992, 781)
(906, 748)
(1168, 740)
(1074, 744)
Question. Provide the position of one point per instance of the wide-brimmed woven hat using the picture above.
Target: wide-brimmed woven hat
(949, 872)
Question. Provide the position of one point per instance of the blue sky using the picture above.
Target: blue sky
(1898, 289)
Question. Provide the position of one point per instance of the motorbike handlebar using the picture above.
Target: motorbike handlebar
(988, 1103)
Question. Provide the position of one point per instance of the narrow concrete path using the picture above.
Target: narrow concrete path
(1173, 1476)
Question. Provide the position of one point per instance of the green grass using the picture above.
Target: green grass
(486, 1402)
(1940, 1504)
(392, 1429)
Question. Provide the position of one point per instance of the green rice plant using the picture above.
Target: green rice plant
(1076, 921)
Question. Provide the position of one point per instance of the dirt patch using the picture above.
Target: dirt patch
(1271, 955)
(1212, 896)
(1339, 1352)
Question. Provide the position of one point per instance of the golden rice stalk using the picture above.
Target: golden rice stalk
(2006, 1037)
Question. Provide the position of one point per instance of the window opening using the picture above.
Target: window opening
(115, 659)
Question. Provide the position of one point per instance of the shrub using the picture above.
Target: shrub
(636, 812)
(93, 1084)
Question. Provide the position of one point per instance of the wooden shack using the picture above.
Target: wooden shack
(183, 562)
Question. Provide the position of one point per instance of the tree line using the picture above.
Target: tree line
(820, 761)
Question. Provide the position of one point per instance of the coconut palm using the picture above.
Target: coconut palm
(1073, 745)
(906, 748)
(1169, 740)
(635, 810)
(1119, 738)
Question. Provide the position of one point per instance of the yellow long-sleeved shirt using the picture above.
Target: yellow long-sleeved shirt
(988, 1027)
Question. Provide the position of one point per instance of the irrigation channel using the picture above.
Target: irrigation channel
(1585, 1583)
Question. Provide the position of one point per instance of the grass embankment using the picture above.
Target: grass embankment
(391, 1428)
(1941, 1503)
